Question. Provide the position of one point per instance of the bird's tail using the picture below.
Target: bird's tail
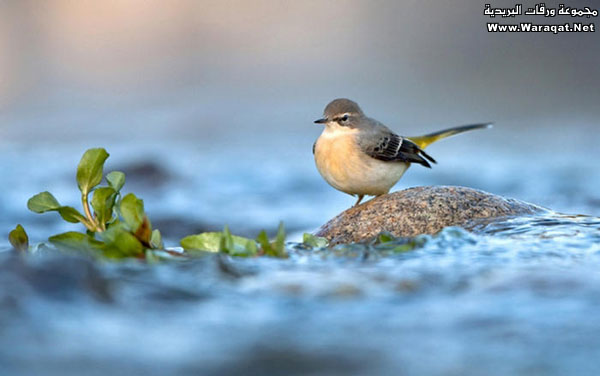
(428, 139)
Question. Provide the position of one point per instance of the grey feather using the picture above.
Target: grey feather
(379, 142)
(341, 106)
(375, 139)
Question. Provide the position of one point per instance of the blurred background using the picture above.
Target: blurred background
(208, 105)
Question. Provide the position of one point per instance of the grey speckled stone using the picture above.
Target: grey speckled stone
(420, 210)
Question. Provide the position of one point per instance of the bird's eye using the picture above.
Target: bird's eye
(341, 120)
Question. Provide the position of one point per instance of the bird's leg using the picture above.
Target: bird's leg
(360, 197)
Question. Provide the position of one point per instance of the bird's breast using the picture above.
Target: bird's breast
(346, 167)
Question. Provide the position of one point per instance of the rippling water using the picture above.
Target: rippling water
(520, 296)
(208, 108)
(516, 296)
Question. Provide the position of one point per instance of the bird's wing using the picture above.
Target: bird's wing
(385, 145)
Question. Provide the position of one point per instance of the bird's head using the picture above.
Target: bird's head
(341, 112)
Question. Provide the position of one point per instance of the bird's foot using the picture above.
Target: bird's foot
(360, 197)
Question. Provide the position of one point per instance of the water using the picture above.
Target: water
(514, 297)
(208, 108)
(518, 296)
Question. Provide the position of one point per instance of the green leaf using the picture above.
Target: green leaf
(45, 202)
(314, 241)
(120, 243)
(18, 239)
(236, 245)
(384, 237)
(116, 179)
(70, 214)
(42, 202)
(132, 211)
(103, 201)
(207, 241)
(386, 242)
(76, 241)
(226, 240)
(251, 248)
(220, 241)
(156, 240)
(126, 245)
(275, 249)
(279, 244)
(89, 170)
(263, 240)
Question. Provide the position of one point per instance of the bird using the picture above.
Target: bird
(360, 156)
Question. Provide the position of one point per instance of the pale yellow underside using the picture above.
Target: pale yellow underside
(348, 169)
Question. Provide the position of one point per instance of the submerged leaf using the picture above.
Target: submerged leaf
(89, 170)
(384, 237)
(116, 180)
(387, 242)
(43, 202)
(18, 239)
(314, 241)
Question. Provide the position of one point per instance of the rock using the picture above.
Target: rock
(420, 210)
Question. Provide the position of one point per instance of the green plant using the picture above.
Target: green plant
(117, 226)
(18, 239)
(236, 245)
(313, 241)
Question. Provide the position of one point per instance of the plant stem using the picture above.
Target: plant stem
(93, 226)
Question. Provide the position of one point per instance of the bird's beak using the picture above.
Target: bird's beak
(321, 121)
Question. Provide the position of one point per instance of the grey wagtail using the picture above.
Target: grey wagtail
(360, 156)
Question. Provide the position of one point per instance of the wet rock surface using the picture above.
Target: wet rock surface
(421, 210)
